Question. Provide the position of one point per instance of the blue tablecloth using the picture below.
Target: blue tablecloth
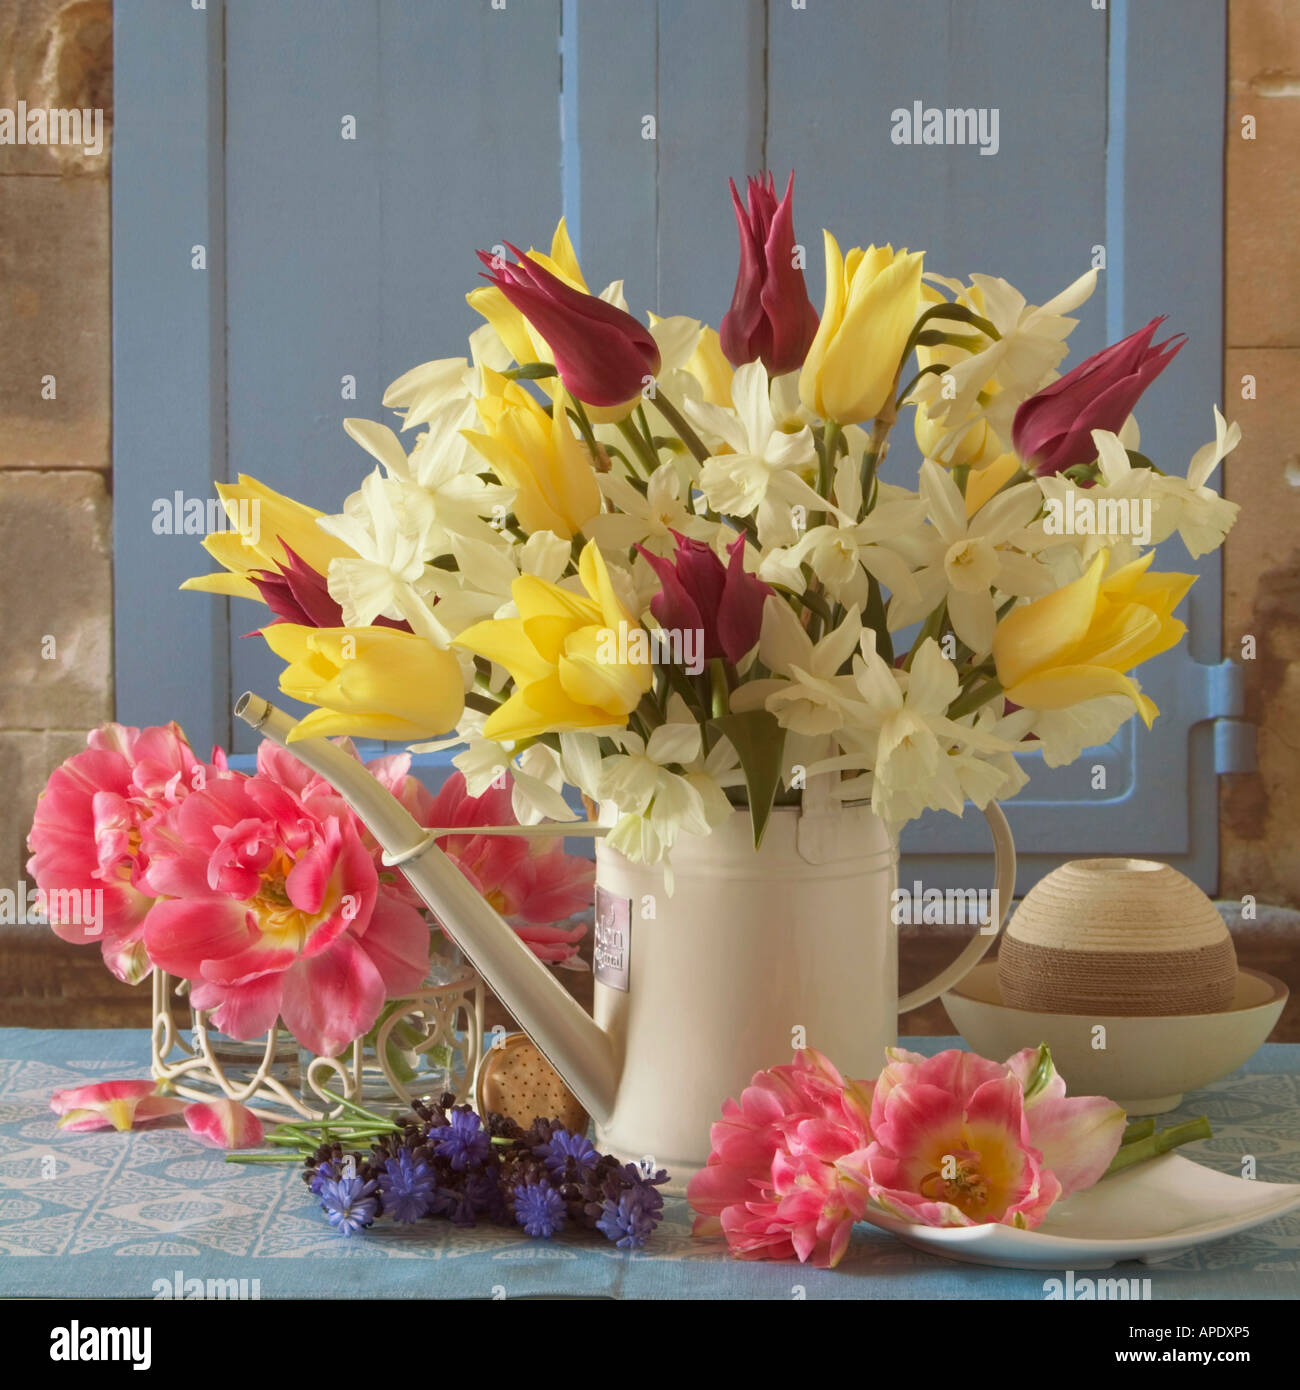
(126, 1215)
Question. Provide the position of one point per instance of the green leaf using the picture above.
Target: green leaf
(530, 371)
(759, 742)
(1137, 460)
(874, 617)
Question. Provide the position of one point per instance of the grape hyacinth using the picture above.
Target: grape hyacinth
(441, 1161)
(349, 1203)
(406, 1186)
(539, 1208)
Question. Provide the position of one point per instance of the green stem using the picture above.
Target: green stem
(351, 1105)
(719, 694)
(973, 699)
(1155, 1144)
(639, 447)
(1138, 1129)
(263, 1158)
(483, 703)
(684, 432)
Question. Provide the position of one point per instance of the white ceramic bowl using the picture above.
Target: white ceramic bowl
(1147, 1063)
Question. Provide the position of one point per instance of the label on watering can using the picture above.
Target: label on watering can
(613, 939)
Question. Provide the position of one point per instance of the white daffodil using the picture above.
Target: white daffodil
(657, 805)
(1188, 505)
(990, 382)
(844, 552)
(901, 734)
(1063, 734)
(977, 556)
(807, 694)
(650, 519)
(762, 473)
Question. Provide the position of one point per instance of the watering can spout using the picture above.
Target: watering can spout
(565, 1033)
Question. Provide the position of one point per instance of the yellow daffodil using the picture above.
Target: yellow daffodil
(369, 682)
(538, 455)
(262, 523)
(872, 298)
(576, 663)
(1074, 644)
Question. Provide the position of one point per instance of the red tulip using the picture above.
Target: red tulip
(771, 317)
(603, 355)
(699, 594)
(1052, 430)
(296, 593)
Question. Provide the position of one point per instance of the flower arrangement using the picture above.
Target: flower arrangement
(264, 891)
(949, 1140)
(671, 566)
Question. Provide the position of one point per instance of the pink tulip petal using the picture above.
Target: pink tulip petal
(119, 1105)
(1077, 1137)
(332, 998)
(224, 1124)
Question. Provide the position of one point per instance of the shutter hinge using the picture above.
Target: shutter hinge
(1225, 706)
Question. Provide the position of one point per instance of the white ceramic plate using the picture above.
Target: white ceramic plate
(1150, 1212)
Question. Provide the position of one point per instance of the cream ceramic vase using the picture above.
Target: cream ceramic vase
(752, 955)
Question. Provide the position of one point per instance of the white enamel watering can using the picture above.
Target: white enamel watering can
(753, 954)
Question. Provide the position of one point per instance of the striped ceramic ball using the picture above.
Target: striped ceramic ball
(1125, 937)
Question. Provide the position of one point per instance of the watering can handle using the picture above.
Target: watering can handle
(1004, 887)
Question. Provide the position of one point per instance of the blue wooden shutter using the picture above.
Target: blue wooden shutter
(333, 258)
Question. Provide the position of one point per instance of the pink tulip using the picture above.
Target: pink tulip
(1052, 430)
(275, 910)
(771, 317)
(112, 1105)
(532, 884)
(603, 355)
(958, 1140)
(86, 836)
(774, 1185)
(224, 1124)
(698, 594)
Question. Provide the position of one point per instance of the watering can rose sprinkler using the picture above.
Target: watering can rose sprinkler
(753, 953)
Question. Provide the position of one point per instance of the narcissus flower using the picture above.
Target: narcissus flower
(872, 298)
(1075, 644)
(112, 1105)
(263, 523)
(1053, 429)
(570, 657)
(771, 317)
(369, 682)
(538, 455)
(603, 355)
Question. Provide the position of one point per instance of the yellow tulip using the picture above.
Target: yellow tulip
(276, 521)
(369, 682)
(576, 663)
(872, 298)
(709, 366)
(975, 447)
(1074, 644)
(538, 455)
(989, 479)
